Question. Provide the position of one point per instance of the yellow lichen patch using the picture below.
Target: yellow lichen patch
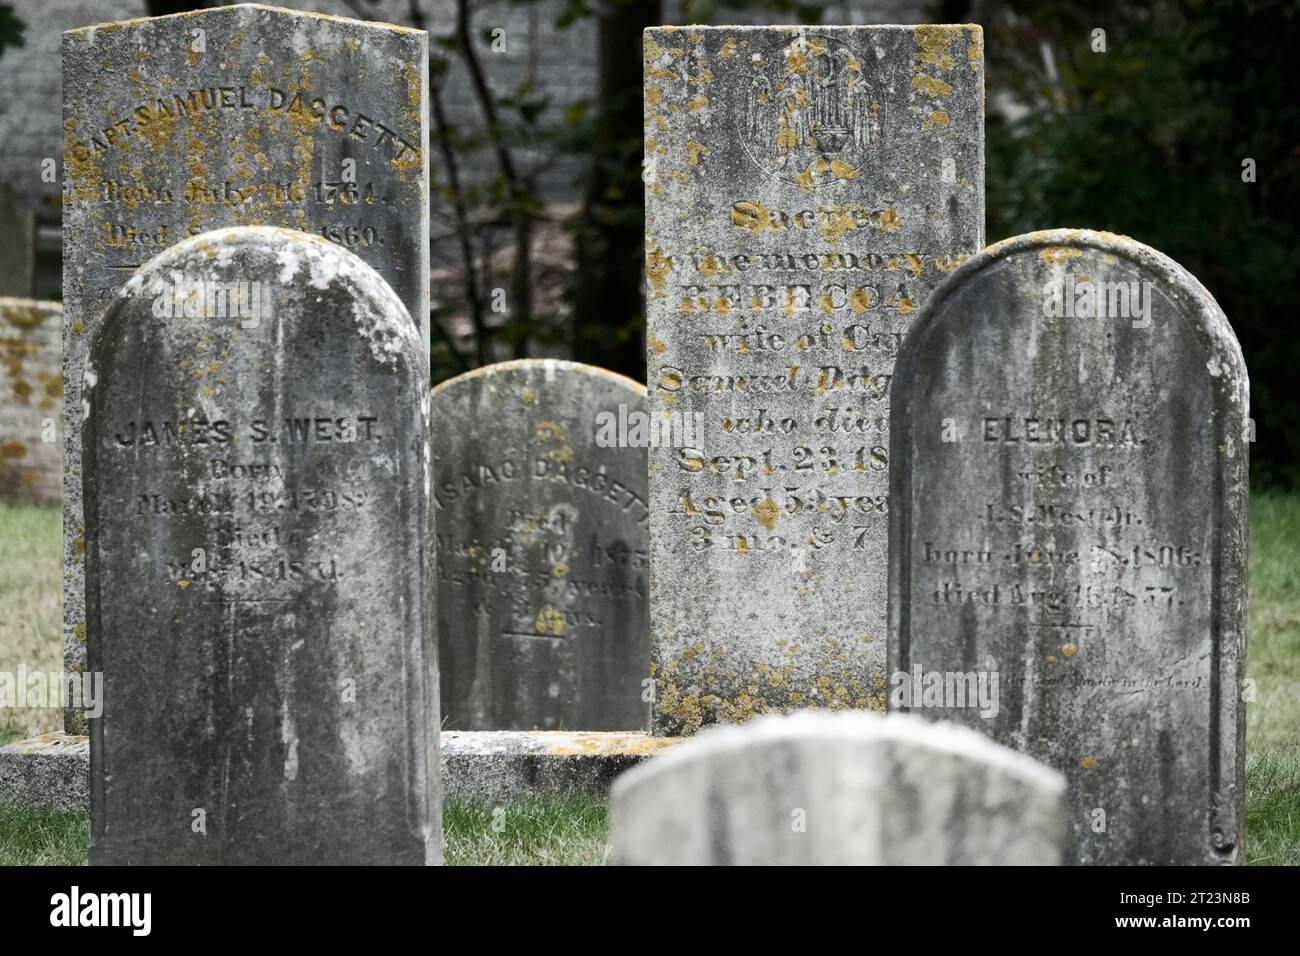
(1069, 650)
(728, 48)
(565, 744)
(695, 152)
(822, 171)
(560, 569)
(914, 263)
(834, 221)
(548, 430)
(1059, 255)
(889, 220)
(933, 42)
(550, 622)
(859, 299)
(13, 450)
(752, 217)
(935, 120)
(766, 512)
(975, 46)
(656, 345)
(697, 103)
(1089, 762)
(931, 86)
(657, 267)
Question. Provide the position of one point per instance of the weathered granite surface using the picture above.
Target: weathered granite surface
(806, 188)
(542, 617)
(1070, 496)
(51, 772)
(820, 788)
(243, 115)
(258, 562)
(31, 400)
(499, 766)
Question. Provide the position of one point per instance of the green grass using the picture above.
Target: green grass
(560, 831)
(1273, 718)
(1273, 808)
(572, 830)
(42, 837)
(31, 605)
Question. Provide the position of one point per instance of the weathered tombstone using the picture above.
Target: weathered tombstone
(806, 189)
(818, 788)
(31, 400)
(244, 115)
(541, 506)
(258, 561)
(1070, 494)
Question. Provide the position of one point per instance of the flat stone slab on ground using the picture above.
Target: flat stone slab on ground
(493, 767)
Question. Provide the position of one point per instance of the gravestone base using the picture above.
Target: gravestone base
(53, 771)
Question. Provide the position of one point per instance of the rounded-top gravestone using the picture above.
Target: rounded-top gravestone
(1068, 531)
(258, 582)
(540, 490)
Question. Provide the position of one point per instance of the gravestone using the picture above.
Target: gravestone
(541, 574)
(1070, 495)
(244, 115)
(806, 189)
(31, 400)
(258, 566)
(818, 788)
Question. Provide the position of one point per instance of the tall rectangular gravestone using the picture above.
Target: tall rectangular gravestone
(541, 548)
(244, 115)
(806, 188)
(258, 558)
(1069, 530)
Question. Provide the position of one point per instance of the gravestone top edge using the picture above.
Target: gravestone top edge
(848, 726)
(326, 263)
(795, 29)
(1166, 269)
(89, 31)
(563, 365)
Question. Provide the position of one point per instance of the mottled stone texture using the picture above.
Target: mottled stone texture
(818, 788)
(542, 616)
(258, 570)
(806, 189)
(498, 766)
(31, 400)
(263, 125)
(1070, 494)
(51, 771)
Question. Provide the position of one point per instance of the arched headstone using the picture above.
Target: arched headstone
(259, 566)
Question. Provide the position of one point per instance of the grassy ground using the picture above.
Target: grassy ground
(31, 603)
(571, 831)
